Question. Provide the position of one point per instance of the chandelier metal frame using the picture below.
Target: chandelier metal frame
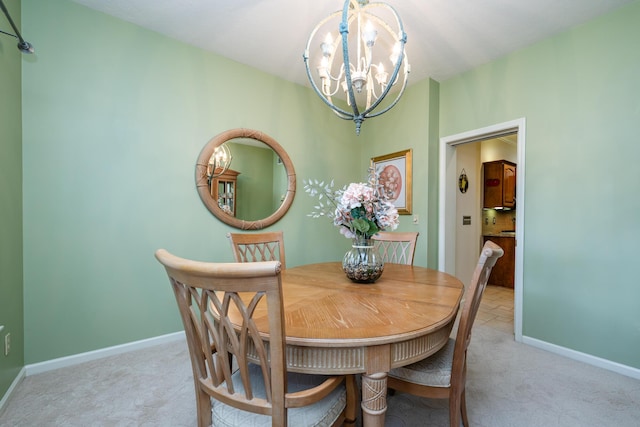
(356, 76)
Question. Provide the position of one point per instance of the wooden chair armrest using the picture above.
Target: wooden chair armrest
(311, 395)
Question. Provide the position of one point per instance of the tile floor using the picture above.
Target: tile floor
(496, 308)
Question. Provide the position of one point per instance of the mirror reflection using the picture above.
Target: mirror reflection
(245, 178)
(221, 180)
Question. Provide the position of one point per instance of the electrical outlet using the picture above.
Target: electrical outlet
(7, 344)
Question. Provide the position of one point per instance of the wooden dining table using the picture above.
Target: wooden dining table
(335, 326)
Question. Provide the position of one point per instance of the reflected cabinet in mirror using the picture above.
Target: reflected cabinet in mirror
(245, 178)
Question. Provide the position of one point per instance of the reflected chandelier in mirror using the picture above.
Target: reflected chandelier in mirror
(255, 193)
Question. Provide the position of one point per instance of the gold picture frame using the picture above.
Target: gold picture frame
(396, 175)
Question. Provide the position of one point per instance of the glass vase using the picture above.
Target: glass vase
(362, 263)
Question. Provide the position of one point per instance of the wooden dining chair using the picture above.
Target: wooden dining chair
(252, 247)
(396, 247)
(443, 375)
(221, 306)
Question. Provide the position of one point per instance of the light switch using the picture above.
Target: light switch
(466, 220)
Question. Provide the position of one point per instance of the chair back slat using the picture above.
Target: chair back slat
(257, 247)
(443, 375)
(473, 295)
(396, 247)
(221, 306)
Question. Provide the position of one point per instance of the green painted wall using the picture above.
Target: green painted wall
(11, 303)
(115, 117)
(579, 94)
(404, 127)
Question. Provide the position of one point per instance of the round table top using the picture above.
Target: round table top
(321, 305)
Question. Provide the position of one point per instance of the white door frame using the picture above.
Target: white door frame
(447, 203)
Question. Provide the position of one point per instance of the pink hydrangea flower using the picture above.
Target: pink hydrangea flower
(359, 209)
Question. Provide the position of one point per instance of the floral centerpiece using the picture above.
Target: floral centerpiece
(360, 210)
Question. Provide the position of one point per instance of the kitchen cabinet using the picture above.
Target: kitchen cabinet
(503, 273)
(223, 189)
(499, 184)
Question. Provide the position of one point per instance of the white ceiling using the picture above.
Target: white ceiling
(444, 37)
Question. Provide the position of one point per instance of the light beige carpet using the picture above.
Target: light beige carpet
(509, 384)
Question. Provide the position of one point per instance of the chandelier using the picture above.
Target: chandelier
(358, 79)
(219, 163)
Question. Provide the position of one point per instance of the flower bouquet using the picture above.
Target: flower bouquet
(360, 210)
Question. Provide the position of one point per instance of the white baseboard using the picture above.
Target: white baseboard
(75, 359)
(12, 387)
(63, 362)
(583, 357)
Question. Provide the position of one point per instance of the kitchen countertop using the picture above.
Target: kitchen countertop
(501, 234)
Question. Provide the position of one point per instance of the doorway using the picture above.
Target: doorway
(448, 216)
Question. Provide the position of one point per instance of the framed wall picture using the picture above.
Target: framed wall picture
(395, 176)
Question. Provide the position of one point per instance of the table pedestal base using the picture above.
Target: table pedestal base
(374, 399)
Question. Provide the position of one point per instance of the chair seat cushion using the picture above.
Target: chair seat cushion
(434, 371)
(322, 413)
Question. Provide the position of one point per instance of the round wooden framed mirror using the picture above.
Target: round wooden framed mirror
(259, 186)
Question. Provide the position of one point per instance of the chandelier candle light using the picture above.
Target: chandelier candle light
(367, 42)
(219, 163)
